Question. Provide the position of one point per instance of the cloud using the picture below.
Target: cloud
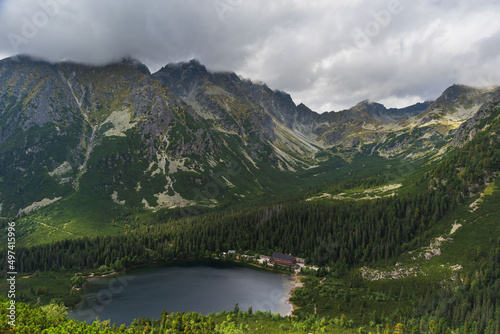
(327, 54)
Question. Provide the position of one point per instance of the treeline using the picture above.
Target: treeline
(116, 252)
(350, 233)
(344, 233)
(338, 233)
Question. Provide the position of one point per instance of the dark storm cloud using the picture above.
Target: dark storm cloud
(327, 54)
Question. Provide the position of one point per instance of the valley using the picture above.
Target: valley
(108, 168)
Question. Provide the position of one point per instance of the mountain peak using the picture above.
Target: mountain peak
(134, 63)
(455, 91)
(362, 103)
(192, 65)
(195, 62)
(26, 59)
(303, 107)
(368, 104)
(461, 94)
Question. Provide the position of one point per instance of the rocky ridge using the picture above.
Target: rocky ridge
(157, 140)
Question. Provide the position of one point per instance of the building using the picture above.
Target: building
(283, 259)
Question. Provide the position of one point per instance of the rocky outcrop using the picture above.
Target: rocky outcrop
(469, 128)
(32, 94)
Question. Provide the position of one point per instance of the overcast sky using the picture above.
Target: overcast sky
(328, 54)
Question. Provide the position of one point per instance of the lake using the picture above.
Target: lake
(146, 292)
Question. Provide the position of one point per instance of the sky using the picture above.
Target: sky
(327, 54)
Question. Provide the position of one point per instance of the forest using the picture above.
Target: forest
(338, 236)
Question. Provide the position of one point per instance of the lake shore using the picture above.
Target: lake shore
(296, 284)
(201, 289)
(234, 262)
(86, 277)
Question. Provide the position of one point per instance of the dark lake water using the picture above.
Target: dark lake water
(146, 292)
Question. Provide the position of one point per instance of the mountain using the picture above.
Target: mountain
(87, 139)
(213, 95)
(192, 82)
(265, 118)
(413, 131)
(367, 127)
(366, 123)
(105, 168)
(115, 134)
(99, 130)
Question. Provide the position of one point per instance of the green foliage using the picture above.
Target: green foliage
(52, 319)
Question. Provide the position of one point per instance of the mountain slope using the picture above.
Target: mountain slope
(109, 131)
(98, 145)
(264, 118)
(298, 134)
(85, 138)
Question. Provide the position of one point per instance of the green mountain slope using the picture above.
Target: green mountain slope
(114, 137)
(419, 251)
(100, 150)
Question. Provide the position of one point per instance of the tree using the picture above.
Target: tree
(399, 329)
(343, 320)
(432, 326)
